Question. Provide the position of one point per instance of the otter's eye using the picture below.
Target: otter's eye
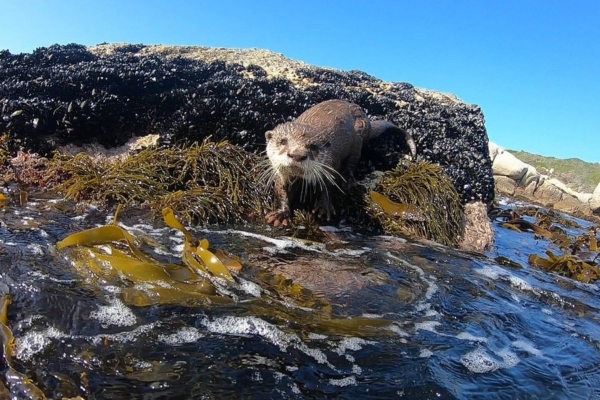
(313, 147)
(327, 144)
(283, 142)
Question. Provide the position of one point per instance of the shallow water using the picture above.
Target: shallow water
(463, 326)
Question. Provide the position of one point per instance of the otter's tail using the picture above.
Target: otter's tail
(378, 127)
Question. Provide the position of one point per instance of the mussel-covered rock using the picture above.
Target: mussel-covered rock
(109, 93)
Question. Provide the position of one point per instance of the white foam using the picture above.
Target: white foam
(257, 377)
(163, 252)
(372, 316)
(526, 346)
(351, 252)
(178, 248)
(350, 343)
(112, 289)
(249, 287)
(295, 388)
(34, 342)
(471, 338)
(425, 353)
(520, 283)
(186, 334)
(231, 325)
(397, 330)
(316, 336)
(43, 233)
(479, 361)
(427, 326)
(509, 358)
(38, 276)
(140, 364)
(280, 243)
(348, 381)
(490, 272)
(431, 313)
(115, 314)
(121, 337)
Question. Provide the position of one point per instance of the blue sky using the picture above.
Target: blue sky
(532, 65)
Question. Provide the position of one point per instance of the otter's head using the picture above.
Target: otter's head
(296, 150)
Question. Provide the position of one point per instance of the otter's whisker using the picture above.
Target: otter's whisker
(330, 174)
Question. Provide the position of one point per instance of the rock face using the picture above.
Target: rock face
(513, 177)
(595, 200)
(109, 93)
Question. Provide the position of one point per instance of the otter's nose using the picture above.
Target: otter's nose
(298, 156)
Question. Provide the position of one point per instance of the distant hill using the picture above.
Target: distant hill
(579, 175)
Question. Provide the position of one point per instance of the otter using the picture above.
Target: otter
(318, 152)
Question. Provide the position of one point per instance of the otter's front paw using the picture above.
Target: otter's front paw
(324, 209)
(277, 218)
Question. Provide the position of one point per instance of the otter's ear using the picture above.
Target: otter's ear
(268, 135)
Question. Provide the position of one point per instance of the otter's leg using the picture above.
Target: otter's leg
(283, 214)
(323, 208)
(349, 164)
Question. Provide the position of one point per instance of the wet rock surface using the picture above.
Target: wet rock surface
(107, 94)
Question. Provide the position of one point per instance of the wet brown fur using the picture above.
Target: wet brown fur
(321, 148)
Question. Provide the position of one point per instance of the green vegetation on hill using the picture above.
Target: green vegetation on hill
(579, 175)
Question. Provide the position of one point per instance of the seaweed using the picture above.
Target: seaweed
(111, 253)
(581, 252)
(4, 152)
(418, 200)
(567, 265)
(208, 182)
(18, 383)
(520, 225)
(195, 253)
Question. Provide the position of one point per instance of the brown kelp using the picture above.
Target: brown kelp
(208, 182)
(581, 252)
(20, 385)
(418, 200)
(567, 265)
(111, 254)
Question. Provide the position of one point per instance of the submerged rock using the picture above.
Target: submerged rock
(109, 93)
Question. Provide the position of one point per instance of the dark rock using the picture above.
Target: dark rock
(107, 94)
